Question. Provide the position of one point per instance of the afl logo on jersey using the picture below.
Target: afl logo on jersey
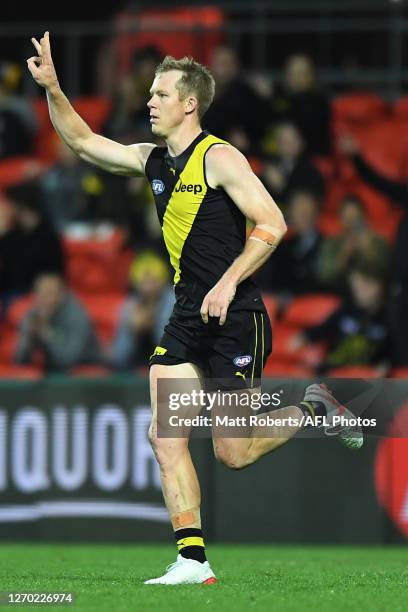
(157, 186)
(242, 361)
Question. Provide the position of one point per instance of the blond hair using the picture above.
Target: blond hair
(196, 79)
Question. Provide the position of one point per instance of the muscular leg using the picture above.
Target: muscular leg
(179, 481)
(238, 453)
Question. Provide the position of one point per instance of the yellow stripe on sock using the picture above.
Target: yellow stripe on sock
(255, 349)
(191, 541)
(311, 408)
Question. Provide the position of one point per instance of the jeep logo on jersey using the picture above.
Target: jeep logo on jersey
(243, 360)
(157, 186)
(190, 188)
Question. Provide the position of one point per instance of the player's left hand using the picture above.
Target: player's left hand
(217, 301)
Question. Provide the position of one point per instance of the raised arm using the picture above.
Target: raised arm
(391, 189)
(226, 167)
(105, 153)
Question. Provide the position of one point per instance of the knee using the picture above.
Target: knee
(230, 457)
(166, 450)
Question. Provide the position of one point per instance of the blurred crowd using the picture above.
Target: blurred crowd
(286, 131)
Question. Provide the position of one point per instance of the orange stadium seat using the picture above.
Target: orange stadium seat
(256, 164)
(329, 224)
(8, 342)
(287, 370)
(17, 169)
(45, 144)
(385, 145)
(378, 208)
(326, 167)
(400, 372)
(18, 309)
(400, 108)
(91, 274)
(93, 109)
(40, 109)
(337, 189)
(271, 305)
(177, 31)
(89, 371)
(383, 217)
(104, 310)
(95, 265)
(358, 108)
(356, 371)
(310, 354)
(109, 245)
(142, 371)
(310, 310)
(20, 372)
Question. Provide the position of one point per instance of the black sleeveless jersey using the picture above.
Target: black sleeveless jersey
(203, 230)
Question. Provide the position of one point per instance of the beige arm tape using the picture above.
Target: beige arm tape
(188, 518)
(267, 234)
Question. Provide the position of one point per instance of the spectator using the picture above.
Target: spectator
(238, 113)
(30, 246)
(144, 314)
(397, 192)
(58, 327)
(18, 125)
(292, 269)
(8, 252)
(300, 101)
(290, 169)
(129, 119)
(356, 243)
(73, 191)
(356, 333)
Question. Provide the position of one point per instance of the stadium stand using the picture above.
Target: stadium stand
(97, 269)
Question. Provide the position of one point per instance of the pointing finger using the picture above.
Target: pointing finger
(46, 45)
(36, 45)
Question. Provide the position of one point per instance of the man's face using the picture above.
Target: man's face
(151, 285)
(224, 65)
(351, 216)
(28, 219)
(367, 292)
(48, 294)
(299, 74)
(167, 111)
(289, 141)
(304, 212)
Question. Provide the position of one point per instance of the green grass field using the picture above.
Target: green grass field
(109, 577)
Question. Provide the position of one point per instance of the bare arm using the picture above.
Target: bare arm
(105, 153)
(226, 167)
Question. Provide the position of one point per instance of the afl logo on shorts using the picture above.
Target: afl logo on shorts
(242, 361)
(157, 186)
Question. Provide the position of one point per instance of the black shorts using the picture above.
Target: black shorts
(231, 356)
